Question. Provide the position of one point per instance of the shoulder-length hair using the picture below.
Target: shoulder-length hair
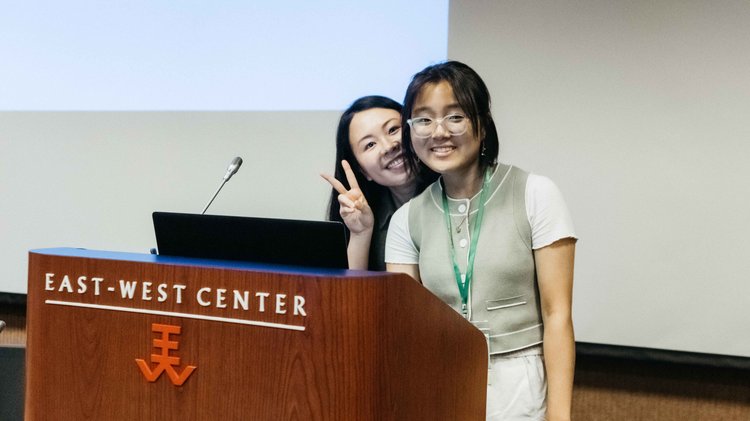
(474, 99)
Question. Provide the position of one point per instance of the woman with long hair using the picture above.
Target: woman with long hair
(370, 159)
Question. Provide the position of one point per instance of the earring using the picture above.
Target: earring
(484, 149)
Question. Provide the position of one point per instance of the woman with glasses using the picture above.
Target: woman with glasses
(370, 159)
(491, 240)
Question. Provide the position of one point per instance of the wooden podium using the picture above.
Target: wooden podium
(118, 336)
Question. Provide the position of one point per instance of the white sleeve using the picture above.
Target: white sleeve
(398, 245)
(548, 215)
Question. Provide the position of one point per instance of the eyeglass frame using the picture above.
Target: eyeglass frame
(438, 122)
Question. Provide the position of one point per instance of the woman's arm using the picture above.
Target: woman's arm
(411, 270)
(554, 266)
(358, 249)
(399, 246)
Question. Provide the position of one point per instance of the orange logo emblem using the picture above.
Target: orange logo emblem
(164, 361)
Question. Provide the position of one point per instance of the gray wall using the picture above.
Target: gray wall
(92, 179)
(639, 111)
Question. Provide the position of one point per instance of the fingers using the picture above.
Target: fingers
(346, 211)
(350, 178)
(349, 175)
(346, 202)
(336, 184)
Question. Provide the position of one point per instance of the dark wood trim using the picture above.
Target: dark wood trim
(653, 355)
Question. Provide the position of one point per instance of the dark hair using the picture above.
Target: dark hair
(474, 99)
(373, 191)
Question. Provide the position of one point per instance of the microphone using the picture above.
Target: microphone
(233, 167)
(231, 170)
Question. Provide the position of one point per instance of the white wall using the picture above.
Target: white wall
(92, 179)
(639, 111)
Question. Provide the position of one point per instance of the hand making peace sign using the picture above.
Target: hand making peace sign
(353, 209)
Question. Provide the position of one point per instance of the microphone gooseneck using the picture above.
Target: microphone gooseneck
(234, 166)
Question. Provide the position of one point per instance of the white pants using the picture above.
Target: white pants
(518, 386)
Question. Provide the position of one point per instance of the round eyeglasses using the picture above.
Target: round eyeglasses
(455, 124)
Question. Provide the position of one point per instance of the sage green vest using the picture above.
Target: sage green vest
(504, 291)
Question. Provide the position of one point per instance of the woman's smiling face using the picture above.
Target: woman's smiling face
(375, 138)
(444, 153)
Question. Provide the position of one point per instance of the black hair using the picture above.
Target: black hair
(474, 99)
(373, 192)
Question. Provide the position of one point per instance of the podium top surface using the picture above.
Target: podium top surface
(189, 261)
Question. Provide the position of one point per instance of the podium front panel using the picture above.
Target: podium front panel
(121, 336)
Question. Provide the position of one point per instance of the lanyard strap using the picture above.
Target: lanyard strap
(464, 282)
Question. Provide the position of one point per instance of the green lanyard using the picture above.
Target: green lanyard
(465, 283)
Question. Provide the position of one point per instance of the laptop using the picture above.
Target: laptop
(318, 244)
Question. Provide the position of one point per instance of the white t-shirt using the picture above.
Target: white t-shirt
(545, 209)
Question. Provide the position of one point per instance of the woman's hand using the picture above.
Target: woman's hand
(353, 206)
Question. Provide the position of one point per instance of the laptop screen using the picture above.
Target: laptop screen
(262, 240)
